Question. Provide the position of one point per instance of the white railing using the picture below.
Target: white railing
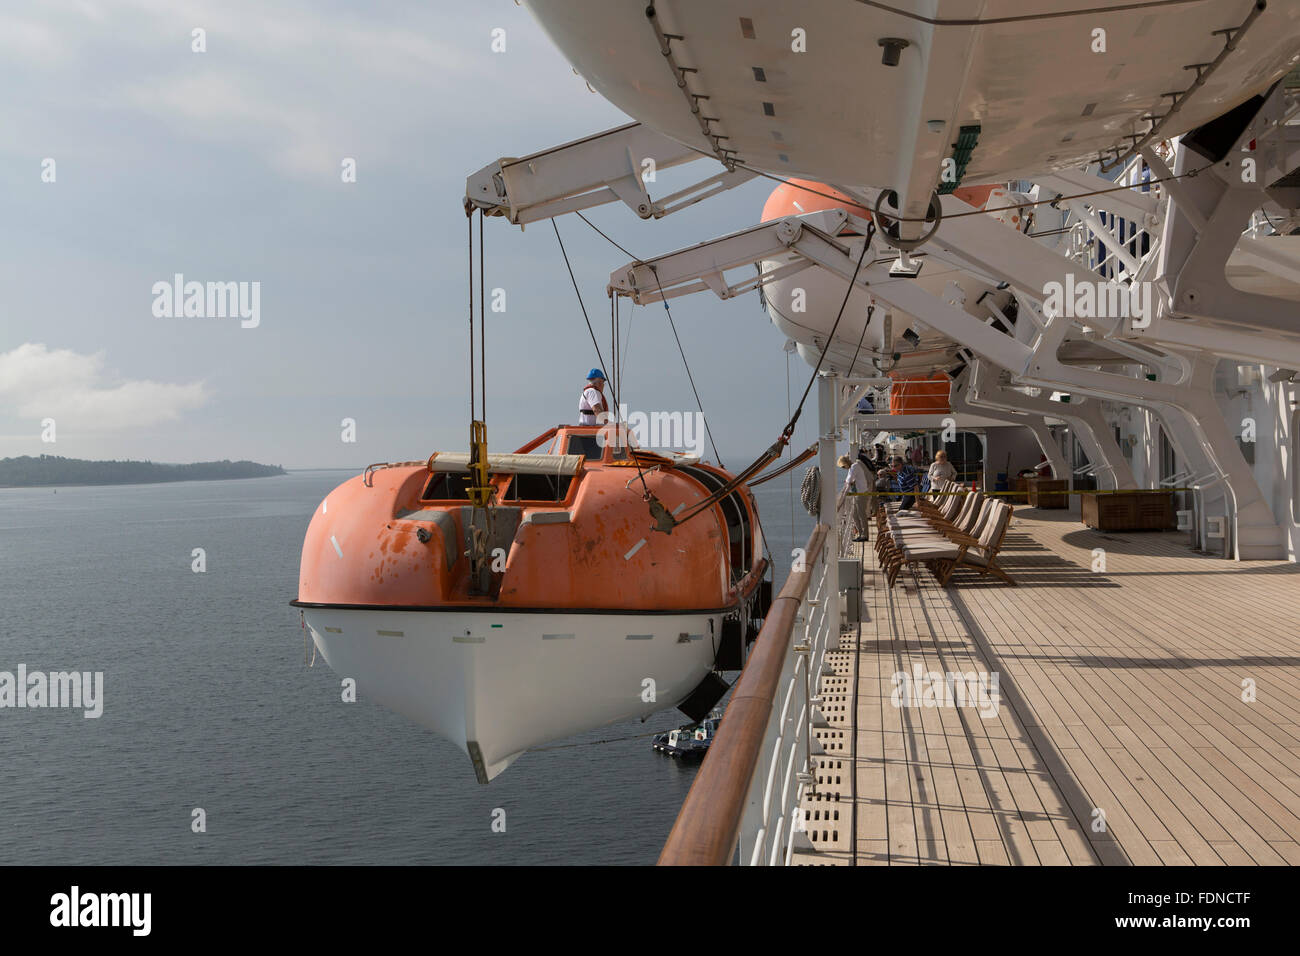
(772, 827)
(745, 802)
(1109, 245)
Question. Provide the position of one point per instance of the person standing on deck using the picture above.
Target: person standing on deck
(591, 403)
(859, 486)
(908, 480)
(941, 469)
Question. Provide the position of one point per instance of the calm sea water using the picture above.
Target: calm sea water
(208, 703)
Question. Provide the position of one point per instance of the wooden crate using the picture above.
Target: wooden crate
(1147, 510)
(1048, 492)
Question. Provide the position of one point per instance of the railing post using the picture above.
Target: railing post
(828, 433)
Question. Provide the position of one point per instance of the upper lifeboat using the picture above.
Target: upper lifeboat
(583, 613)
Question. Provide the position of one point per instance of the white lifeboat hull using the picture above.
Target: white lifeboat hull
(496, 684)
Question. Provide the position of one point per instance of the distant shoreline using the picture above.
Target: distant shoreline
(48, 471)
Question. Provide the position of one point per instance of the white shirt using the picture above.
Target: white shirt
(857, 480)
(942, 471)
(591, 397)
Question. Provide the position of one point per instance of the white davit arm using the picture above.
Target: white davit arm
(801, 242)
(601, 168)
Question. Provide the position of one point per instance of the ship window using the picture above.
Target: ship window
(447, 486)
(538, 488)
(585, 445)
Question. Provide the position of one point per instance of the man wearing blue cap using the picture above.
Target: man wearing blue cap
(592, 401)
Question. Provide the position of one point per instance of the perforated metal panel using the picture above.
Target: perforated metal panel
(828, 811)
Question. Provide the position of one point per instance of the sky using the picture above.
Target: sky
(227, 166)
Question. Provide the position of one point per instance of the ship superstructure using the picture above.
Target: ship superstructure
(1082, 224)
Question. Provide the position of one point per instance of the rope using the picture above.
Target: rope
(654, 272)
(1020, 18)
(871, 309)
(622, 366)
(613, 343)
(774, 451)
(613, 393)
(582, 305)
(761, 462)
(627, 342)
(592, 743)
(871, 231)
(810, 492)
(787, 467)
(606, 238)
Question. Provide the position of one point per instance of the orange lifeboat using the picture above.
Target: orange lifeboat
(583, 615)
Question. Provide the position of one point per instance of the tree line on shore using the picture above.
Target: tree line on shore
(29, 471)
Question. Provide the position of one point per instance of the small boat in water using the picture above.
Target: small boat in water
(601, 582)
(690, 741)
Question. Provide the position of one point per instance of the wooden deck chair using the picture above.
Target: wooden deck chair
(891, 524)
(934, 548)
(946, 506)
(965, 521)
(982, 558)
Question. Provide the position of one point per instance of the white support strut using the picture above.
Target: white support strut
(606, 167)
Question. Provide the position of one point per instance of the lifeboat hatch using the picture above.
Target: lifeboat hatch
(500, 535)
(701, 700)
(446, 526)
(731, 656)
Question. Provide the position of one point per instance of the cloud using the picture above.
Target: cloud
(80, 395)
(297, 85)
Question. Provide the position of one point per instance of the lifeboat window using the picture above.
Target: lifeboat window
(538, 487)
(447, 486)
(587, 446)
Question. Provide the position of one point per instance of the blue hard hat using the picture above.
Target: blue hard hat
(596, 373)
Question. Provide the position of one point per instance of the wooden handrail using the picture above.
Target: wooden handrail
(708, 823)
